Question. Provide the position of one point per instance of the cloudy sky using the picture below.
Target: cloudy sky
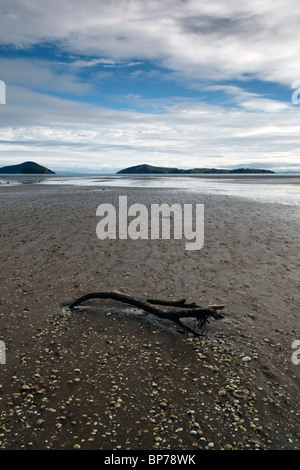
(106, 84)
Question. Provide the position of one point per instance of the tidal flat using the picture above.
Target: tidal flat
(106, 377)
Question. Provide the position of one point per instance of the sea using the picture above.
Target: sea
(271, 188)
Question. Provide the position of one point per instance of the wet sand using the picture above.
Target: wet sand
(106, 377)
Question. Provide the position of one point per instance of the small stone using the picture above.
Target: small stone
(253, 441)
(24, 388)
(246, 358)
(228, 447)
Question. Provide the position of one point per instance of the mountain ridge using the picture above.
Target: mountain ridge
(150, 169)
(26, 168)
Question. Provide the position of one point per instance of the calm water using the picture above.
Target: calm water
(282, 189)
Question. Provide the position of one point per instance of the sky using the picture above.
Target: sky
(101, 85)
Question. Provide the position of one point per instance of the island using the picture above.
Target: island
(150, 169)
(26, 168)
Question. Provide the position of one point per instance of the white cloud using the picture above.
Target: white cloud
(41, 75)
(65, 134)
(199, 41)
(223, 39)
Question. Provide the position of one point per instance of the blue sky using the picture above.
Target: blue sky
(102, 85)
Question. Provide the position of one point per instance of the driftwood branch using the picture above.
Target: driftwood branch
(185, 310)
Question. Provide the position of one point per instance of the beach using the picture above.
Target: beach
(106, 377)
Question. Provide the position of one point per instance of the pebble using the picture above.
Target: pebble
(200, 388)
(246, 358)
(178, 429)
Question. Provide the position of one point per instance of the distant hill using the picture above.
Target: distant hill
(145, 169)
(26, 168)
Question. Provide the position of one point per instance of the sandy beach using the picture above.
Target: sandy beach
(106, 377)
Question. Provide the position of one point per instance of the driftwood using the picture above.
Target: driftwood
(184, 310)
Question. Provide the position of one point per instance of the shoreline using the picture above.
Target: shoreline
(50, 255)
(281, 190)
